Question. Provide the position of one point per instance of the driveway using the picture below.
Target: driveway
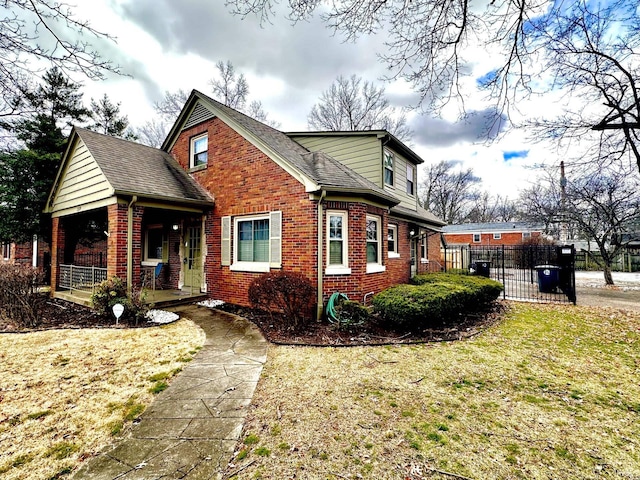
(592, 291)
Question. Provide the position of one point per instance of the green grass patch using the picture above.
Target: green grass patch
(39, 415)
(61, 450)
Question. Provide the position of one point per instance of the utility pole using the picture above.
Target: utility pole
(564, 228)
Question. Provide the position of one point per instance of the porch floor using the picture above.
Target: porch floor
(157, 298)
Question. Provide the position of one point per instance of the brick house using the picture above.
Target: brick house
(228, 198)
(34, 253)
(500, 233)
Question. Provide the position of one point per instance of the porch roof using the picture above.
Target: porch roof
(126, 168)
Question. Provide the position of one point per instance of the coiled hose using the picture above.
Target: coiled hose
(332, 315)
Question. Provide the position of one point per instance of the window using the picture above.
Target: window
(392, 241)
(374, 259)
(476, 238)
(424, 248)
(253, 240)
(198, 150)
(6, 251)
(156, 245)
(337, 243)
(388, 168)
(497, 236)
(256, 240)
(410, 176)
(526, 235)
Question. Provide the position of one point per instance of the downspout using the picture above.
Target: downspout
(134, 199)
(320, 303)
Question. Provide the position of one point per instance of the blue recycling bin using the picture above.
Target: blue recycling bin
(548, 278)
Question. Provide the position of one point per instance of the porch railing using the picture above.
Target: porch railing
(75, 277)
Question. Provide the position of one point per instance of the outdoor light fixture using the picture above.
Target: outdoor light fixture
(175, 227)
(412, 233)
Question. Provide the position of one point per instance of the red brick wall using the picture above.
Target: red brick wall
(57, 247)
(245, 181)
(117, 242)
(507, 238)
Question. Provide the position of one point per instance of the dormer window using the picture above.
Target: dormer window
(388, 168)
(199, 151)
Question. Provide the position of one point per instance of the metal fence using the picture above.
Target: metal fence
(76, 277)
(539, 273)
(625, 261)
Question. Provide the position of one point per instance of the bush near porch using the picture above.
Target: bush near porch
(435, 298)
(20, 299)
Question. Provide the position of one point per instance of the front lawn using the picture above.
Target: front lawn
(550, 392)
(65, 394)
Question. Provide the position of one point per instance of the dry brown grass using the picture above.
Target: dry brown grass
(551, 392)
(65, 394)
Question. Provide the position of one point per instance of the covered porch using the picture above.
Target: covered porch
(120, 209)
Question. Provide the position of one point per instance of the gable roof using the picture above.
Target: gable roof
(133, 169)
(317, 171)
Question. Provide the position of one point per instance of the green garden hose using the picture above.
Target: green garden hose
(331, 310)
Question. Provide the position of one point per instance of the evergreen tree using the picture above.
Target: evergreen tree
(107, 119)
(26, 175)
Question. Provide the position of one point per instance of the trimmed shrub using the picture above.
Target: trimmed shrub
(20, 300)
(483, 290)
(288, 293)
(434, 299)
(114, 290)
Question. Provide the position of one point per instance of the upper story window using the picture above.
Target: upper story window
(410, 179)
(198, 151)
(374, 258)
(337, 243)
(477, 237)
(392, 241)
(388, 168)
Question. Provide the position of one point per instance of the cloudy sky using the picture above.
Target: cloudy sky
(165, 45)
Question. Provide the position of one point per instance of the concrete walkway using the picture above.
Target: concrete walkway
(191, 428)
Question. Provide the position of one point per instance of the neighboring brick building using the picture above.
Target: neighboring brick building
(236, 198)
(35, 253)
(505, 233)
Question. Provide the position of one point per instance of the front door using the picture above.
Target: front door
(192, 260)
(414, 247)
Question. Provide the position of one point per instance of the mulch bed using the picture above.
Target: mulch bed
(374, 332)
(56, 313)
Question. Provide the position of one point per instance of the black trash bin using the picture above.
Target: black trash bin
(548, 278)
(481, 267)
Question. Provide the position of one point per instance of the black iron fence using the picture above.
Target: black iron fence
(541, 273)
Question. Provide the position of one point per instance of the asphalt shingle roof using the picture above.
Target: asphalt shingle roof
(137, 169)
(319, 167)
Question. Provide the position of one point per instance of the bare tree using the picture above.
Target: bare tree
(171, 104)
(449, 194)
(586, 49)
(487, 209)
(354, 104)
(42, 31)
(152, 133)
(600, 205)
(229, 88)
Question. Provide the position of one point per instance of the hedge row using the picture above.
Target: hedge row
(434, 298)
